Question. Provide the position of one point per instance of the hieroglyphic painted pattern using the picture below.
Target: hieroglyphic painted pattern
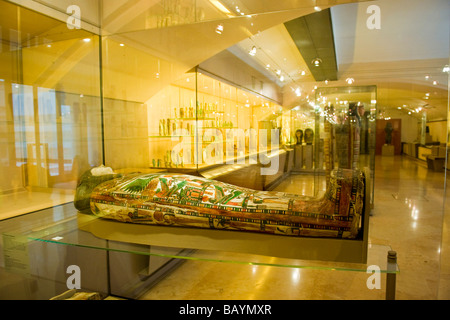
(189, 201)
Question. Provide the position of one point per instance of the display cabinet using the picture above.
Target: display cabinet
(199, 121)
(345, 129)
(127, 261)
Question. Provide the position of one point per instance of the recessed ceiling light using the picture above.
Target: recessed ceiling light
(446, 68)
(427, 77)
(219, 29)
(435, 82)
(350, 80)
(121, 45)
(316, 62)
(252, 51)
(317, 8)
(303, 72)
(86, 40)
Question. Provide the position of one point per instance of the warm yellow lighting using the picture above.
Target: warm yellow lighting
(219, 29)
(220, 6)
(86, 40)
(252, 52)
(317, 8)
(350, 80)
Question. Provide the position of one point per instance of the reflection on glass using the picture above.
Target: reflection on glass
(49, 107)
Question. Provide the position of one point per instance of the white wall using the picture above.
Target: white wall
(410, 126)
(438, 131)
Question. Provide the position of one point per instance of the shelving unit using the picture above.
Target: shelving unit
(199, 114)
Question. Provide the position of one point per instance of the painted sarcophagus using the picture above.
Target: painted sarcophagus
(191, 201)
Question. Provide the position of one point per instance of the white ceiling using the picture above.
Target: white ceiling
(413, 43)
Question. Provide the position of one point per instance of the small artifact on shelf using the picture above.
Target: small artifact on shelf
(170, 199)
(309, 136)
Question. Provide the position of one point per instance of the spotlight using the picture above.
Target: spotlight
(219, 29)
(316, 62)
(252, 52)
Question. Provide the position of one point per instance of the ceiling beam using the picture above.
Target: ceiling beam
(313, 36)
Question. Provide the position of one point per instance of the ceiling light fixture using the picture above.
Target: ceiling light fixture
(316, 62)
(317, 8)
(446, 68)
(252, 52)
(303, 72)
(435, 82)
(350, 80)
(219, 29)
(86, 40)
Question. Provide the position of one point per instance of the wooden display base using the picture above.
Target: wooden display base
(302, 248)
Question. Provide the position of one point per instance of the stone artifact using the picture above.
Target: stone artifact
(190, 201)
(299, 136)
(388, 131)
(309, 136)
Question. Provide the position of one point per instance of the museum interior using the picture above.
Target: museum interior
(301, 147)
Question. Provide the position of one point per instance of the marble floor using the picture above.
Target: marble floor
(407, 216)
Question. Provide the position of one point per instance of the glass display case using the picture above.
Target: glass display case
(44, 252)
(223, 91)
(346, 128)
(200, 121)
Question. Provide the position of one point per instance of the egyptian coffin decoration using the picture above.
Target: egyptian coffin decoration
(191, 201)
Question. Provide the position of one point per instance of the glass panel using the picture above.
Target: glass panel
(50, 109)
(70, 230)
(346, 126)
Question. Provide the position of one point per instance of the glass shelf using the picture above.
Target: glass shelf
(68, 232)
